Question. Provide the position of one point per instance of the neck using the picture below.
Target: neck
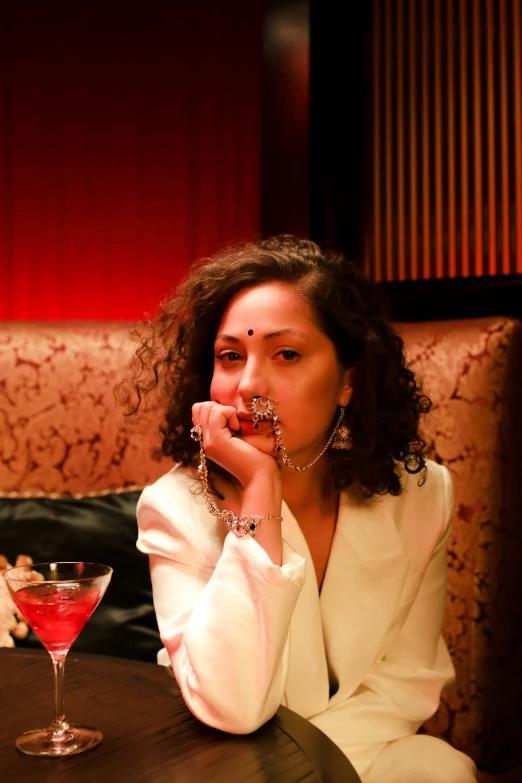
(302, 490)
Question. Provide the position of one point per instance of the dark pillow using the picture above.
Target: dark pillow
(98, 529)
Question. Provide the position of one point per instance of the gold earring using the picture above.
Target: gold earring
(342, 439)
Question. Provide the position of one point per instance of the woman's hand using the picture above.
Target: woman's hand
(12, 626)
(220, 426)
(251, 464)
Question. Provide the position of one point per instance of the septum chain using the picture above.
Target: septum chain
(268, 411)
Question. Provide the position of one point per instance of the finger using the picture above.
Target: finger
(23, 560)
(12, 623)
(223, 417)
(212, 414)
(232, 419)
(4, 563)
(201, 412)
(214, 419)
(196, 413)
(21, 630)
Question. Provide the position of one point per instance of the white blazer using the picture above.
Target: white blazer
(363, 660)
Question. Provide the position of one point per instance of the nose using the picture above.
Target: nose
(253, 381)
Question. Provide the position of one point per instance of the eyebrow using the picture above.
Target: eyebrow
(270, 336)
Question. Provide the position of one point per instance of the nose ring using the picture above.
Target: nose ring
(262, 409)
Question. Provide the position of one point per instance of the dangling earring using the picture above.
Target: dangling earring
(342, 439)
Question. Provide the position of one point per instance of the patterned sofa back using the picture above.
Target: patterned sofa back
(61, 432)
(472, 370)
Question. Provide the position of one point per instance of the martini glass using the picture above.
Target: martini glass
(56, 600)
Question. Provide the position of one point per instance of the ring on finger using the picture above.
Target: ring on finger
(196, 433)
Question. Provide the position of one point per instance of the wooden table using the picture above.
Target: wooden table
(149, 734)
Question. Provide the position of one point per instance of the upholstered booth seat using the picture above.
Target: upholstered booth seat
(68, 454)
(472, 370)
(72, 468)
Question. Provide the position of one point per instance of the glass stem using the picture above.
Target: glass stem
(59, 723)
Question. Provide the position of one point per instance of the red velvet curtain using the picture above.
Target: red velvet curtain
(129, 146)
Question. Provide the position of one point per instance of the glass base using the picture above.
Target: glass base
(42, 742)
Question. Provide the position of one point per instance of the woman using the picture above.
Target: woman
(305, 562)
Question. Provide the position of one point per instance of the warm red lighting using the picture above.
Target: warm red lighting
(130, 146)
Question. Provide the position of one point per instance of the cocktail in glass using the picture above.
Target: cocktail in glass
(56, 600)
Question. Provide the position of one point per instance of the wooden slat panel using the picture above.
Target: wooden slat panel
(439, 227)
(492, 197)
(447, 147)
(477, 142)
(378, 271)
(464, 141)
(376, 143)
(517, 102)
(504, 137)
(452, 185)
(426, 200)
(401, 228)
(414, 193)
(388, 137)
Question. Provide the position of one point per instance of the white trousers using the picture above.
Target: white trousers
(420, 759)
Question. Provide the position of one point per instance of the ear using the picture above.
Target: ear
(346, 389)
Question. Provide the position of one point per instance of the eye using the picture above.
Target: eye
(227, 357)
(288, 355)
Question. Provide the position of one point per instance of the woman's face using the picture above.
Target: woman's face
(269, 345)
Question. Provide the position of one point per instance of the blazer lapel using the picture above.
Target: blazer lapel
(366, 573)
(307, 690)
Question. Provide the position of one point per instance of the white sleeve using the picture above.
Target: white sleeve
(223, 624)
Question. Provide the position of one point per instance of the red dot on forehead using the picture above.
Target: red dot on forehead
(250, 332)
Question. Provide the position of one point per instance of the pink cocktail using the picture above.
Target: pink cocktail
(56, 600)
(57, 613)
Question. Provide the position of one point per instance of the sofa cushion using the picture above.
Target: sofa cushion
(100, 529)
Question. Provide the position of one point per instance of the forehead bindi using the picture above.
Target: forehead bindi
(266, 309)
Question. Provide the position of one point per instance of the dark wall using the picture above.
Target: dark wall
(285, 123)
(339, 79)
(315, 75)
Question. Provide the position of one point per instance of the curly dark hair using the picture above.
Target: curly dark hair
(176, 357)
